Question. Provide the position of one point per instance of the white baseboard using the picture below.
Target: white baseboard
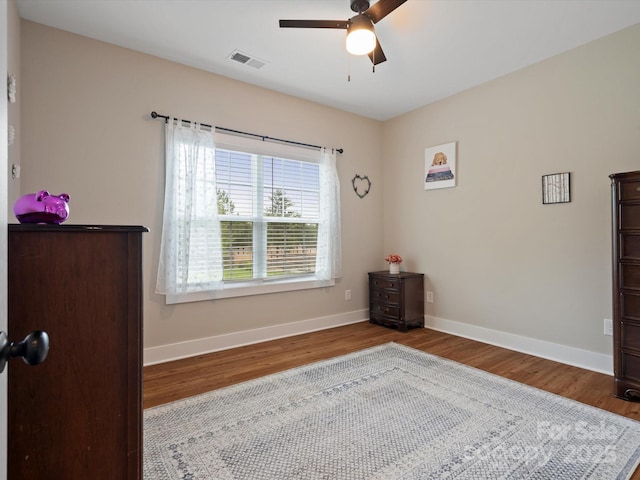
(200, 346)
(577, 357)
(597, 362)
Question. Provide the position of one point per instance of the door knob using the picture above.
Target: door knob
(33, 349)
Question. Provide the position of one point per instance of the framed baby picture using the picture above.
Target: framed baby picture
(440, 166)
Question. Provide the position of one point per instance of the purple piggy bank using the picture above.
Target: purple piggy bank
(42, 207)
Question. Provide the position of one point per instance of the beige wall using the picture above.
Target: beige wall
(87, 132)
(4, 51)
(13, 68)
(495, 256)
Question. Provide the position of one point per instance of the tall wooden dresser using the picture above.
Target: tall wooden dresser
(625, 189)
(78, 415)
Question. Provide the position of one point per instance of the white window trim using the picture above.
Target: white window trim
(270, 149)
(242, 289)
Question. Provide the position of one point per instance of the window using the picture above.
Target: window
(244, 217)
(269, 210)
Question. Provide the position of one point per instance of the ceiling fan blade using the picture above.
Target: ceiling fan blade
(377, 56)
(344, 24)
(382, 8)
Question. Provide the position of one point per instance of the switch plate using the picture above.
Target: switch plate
(608, 326)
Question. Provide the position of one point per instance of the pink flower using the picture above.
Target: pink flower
(393, 258)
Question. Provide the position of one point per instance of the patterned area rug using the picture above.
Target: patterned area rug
(388, 412)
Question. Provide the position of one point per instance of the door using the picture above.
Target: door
(3, 231)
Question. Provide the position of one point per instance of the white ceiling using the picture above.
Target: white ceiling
(435, 48)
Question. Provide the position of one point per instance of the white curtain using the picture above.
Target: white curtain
(190, 252)
(329, 253)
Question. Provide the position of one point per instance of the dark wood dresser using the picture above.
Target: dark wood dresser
(625, 189)
(396, 299)
(78, 415)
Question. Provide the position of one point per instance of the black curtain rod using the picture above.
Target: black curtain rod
(239, 132)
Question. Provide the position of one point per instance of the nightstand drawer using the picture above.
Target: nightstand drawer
(388, 296)
(385, 283)
(386, 321)
(383, 309)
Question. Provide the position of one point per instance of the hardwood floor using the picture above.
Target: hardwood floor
(172, 381)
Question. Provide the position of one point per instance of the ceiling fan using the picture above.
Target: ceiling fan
(361, 38)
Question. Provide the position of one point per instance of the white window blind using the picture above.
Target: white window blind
(269, 213)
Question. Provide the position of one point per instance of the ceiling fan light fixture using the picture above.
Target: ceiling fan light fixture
(361, 39)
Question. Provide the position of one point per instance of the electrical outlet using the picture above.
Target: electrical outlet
(608, 326)
(430, 297)
(347, 294)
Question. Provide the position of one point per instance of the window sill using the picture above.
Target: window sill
(233, 290)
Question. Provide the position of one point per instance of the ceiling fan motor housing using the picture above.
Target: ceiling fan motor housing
(359, 6)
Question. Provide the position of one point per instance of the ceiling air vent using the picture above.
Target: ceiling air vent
(245, 59)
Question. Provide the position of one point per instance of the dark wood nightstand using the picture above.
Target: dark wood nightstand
(396, 300)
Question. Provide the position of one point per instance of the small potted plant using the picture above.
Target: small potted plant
(394, 261)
